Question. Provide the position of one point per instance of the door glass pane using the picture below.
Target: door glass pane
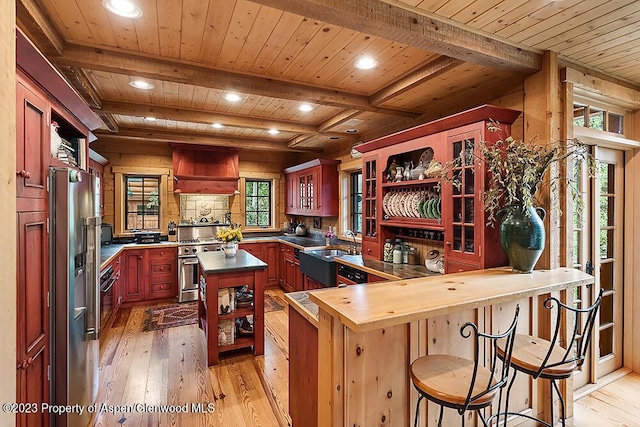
(606, 243)
(606, 211)
(606, 341)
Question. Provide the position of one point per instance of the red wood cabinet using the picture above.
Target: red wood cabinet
(458, 222)
(312, 188)
(150, 274)
(303, 371)
(32, 351)
(268, 253)
(32, 146)
(372, 278)
(134, 275)
(163, 275)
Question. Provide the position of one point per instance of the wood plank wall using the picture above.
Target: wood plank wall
(8, 207)
(160, 156)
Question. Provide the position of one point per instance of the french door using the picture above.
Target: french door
(598, 249)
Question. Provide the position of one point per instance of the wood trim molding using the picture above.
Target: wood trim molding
(629, 98)
(142, 170)
(38, 26)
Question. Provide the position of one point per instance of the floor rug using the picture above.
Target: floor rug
(272, 303)
(170, 316)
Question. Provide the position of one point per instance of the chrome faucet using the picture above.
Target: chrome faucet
(353, 250)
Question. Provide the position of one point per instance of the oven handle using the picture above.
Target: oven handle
(188, 261)
(105, 289)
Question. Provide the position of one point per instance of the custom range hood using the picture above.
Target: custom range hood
(204, 170)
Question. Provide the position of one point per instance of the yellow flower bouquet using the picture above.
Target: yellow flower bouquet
(228, 235)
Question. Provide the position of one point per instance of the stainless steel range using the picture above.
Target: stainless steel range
(191, 240)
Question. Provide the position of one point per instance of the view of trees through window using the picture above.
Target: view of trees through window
(257, 203)
(597, 118)
(356, 202)
(142, 202)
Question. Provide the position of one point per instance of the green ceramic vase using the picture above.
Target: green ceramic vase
(522, 237)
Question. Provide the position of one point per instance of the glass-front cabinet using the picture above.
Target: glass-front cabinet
(312, 188)
(405, 198)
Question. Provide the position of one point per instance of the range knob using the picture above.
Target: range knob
(187, 250)
(194, 250)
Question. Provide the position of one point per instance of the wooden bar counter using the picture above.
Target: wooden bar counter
(368, 335)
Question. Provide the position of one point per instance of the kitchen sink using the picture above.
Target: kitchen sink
(328, 253)
(319, 265)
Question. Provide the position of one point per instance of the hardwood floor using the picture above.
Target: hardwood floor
(168, 366)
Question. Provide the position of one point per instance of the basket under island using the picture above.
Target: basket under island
(218, 272)
(368, 335)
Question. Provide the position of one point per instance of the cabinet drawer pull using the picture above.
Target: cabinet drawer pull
(23, 174)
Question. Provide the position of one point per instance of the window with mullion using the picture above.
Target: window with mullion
(142, 202)
(355, 201)
(257, 203)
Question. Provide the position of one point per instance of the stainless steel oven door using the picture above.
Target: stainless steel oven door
(188, 278)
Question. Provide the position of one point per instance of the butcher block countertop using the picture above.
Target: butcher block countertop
(379, 305)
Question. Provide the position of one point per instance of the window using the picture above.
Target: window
(258, 203)
(355, 202)
(142, 202)
(585, 115)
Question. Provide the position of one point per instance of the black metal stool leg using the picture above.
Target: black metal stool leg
(561, 402)
(440, 417)
(415, 423)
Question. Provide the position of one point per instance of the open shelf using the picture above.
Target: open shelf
(240, 312)
(243, 342)
(411, 183)
(421, 223)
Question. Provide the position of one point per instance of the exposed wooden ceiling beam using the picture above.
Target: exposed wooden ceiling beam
(33, 21)
(297, 140)
(81, 84)
(174, 71)
(415, 78)
(337, 119)
(206, 117)
(418, 29)
(108, 120)
(150, 134)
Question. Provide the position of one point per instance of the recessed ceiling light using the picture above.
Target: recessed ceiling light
(351, 131)
(305, 107)
(366, 63)
(273, 131)
(141, 84)
(123, 8)
(151, 119)
(233, 97)
(217, 125)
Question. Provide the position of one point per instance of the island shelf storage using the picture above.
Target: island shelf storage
(219, 272)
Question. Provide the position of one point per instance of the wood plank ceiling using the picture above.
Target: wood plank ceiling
(435, 57)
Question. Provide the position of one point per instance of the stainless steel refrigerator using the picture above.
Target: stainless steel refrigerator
(75, 236)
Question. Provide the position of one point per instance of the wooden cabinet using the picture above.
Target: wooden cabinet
(134, 275)
(421, 209)
(291, 276)
(163, 275)
(310, 284)
(32, 146)
(268, 253)
(303, 371)
(312, 188)
(372, 278)
(150, 274)
(32, 352)
(209, 320)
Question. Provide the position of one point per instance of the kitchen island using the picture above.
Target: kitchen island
(220, 273)
(369, 334)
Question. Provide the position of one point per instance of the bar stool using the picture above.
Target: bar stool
(548, 359)
(460, 383)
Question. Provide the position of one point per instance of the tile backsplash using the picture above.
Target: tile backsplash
(194, 207)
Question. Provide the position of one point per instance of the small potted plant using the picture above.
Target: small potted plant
(230, 236)
(328, 235)
(516, 170)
